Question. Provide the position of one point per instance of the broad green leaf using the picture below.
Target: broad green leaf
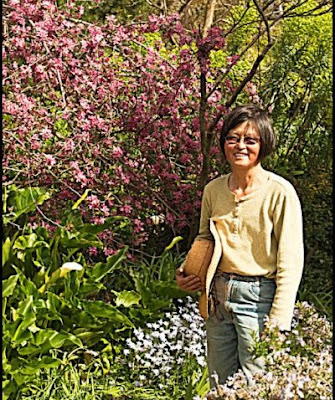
(169, 289)
(90, 338)
(79, 240)
(54, 303)
(22, 335)
(113, 262)
(127, 298)
(6, 251)
(25, 200)
(8, 285)
(27, 286)
(49, 338)
(21, 331)
(34, 366)
(21, 379)
(83, 319)
(4, 306)
(24, 242)
(105, 310)
(82, 198)
(8, 387)
(156, 304)
(60, 338)
(30, 350)
(145, 292)
(88, 287)
(94, 229)
(25, 306)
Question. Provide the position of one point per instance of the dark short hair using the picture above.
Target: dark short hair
(261, 122)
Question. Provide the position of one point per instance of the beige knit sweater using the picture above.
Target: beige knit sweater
(261, 235)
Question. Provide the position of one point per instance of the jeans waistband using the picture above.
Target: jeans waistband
(244, 278)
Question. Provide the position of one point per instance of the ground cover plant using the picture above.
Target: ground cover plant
(299, 363)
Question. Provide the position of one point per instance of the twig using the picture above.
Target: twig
(65, 184)
(249, 75)
(58, 76)
(264, 19)
(16, 72)
(157, 54)
(37, 207)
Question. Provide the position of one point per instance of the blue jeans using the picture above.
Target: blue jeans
(239, 310)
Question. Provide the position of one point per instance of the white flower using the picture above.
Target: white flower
(71, 266)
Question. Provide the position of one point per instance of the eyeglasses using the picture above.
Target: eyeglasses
(249, 141)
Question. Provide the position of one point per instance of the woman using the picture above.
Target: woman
(254, 216)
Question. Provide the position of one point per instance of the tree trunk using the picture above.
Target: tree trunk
(209, 17)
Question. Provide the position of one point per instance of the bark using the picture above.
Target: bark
(209, 16)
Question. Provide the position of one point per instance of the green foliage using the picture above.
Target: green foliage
(247, 29)
(50, 293)
(297, 82)
(23, 201)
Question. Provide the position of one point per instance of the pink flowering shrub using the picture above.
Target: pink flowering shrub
(110, 108)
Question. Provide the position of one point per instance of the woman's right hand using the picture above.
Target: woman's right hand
(190, 283)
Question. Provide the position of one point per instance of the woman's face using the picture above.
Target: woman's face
(242, 146)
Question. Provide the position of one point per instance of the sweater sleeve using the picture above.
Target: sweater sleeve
(288, 231)
(204, 231)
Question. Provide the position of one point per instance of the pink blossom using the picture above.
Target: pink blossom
(109, 251)
(93, 251)
(93, 202)
(50, 160)
(126, 209)
(232, 60)
(105, 210)
(98, 220)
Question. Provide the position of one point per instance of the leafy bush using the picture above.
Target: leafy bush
(51, 294)
(111, 109)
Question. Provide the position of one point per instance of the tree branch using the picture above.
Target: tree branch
(249, 75)
(264, 19)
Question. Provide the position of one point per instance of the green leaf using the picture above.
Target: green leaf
(46, 339)
(34, 366)
(127, 298)
(78, 240)
(173, 242)
(94, 229)
(113, 262)
(8, 285)
(90, 338)
(4, 199)
(21, 332)
(105, 310)
(8, 387)
(169, 290)
(82, 198)
(24, 200)
(25, 306)
(6, 248)
(88, 287)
